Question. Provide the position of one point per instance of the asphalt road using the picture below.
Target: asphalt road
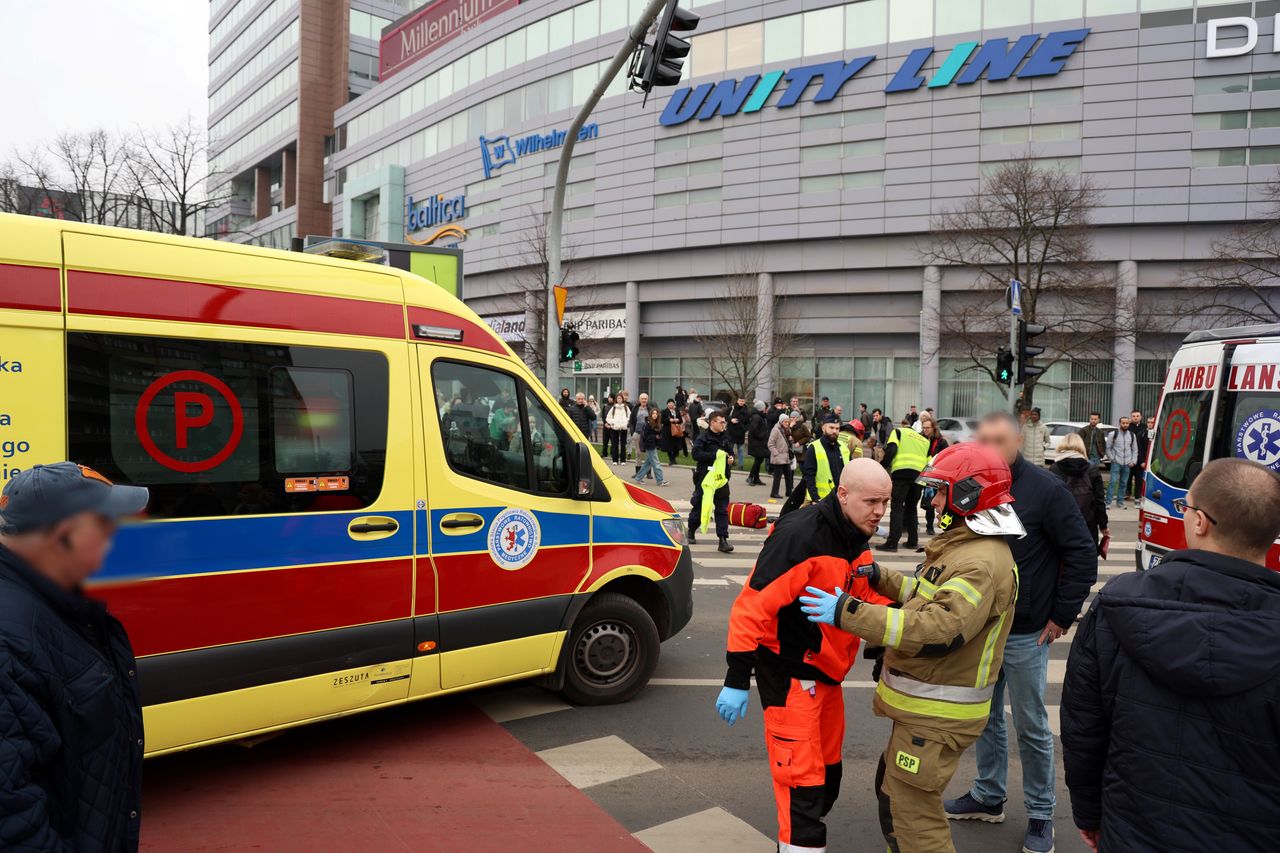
(704, 765)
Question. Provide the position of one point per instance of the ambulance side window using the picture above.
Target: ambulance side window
(1177, 454)
(222, 428)
(548, 443)
(481, 426)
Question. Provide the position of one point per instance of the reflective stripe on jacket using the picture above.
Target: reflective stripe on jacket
(945, 645)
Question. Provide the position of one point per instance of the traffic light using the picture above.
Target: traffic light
(1026, 352)
(1004, 366)
(661, 63)
(568, 344)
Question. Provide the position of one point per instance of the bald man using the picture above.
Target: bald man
(798, 664)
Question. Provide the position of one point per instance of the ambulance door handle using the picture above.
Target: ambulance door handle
(459, 523)
(1156, 495)
(372, 527)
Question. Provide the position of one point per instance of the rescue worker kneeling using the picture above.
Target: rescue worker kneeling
(943, 647)
(799, 665)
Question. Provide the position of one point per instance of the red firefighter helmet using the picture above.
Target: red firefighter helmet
(973, 477)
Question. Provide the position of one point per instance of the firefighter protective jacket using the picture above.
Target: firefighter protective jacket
(945, 645)
(814, 546)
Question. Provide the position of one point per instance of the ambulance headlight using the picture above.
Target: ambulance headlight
(675, 529)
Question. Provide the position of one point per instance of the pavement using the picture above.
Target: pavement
(518, 765)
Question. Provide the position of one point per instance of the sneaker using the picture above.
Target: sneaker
(1039, 837)
(967, 808)
(664, 483)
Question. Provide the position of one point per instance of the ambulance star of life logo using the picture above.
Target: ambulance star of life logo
(513, 538)
(1258, 438)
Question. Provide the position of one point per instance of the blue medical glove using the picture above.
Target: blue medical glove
(731, 704)
(821, 606)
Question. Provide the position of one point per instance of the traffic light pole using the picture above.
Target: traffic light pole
(634, 37)
(1013, 348)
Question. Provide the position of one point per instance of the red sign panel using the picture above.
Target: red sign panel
(430, 28)
(187, 420)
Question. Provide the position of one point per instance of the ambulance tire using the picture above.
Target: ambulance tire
(612, 653)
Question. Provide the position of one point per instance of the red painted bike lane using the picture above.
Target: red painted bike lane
(430, 776)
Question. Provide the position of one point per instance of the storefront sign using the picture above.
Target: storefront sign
(967, 63)
(607, 323)
(1221, 29)
(598, 366)
(436, 210)
(418, 34)
(499, 151)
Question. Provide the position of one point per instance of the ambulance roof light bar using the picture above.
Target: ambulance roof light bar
(349, 250)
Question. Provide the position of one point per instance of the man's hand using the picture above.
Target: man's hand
(1051, 632)
(731, 704)
(820, 605)
(1090, 837)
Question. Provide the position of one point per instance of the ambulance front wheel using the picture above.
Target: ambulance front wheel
(613, 650)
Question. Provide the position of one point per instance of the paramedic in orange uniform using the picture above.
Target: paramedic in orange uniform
(798, 664)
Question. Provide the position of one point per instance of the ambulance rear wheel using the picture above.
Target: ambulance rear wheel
(613, 650)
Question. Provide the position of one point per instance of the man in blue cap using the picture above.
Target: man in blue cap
(71, 740)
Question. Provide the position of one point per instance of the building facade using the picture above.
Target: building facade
(810, 149)
(278, 69)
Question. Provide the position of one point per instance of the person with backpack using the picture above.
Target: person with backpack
(1085, 484)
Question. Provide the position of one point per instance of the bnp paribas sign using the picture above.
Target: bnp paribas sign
(965, 64)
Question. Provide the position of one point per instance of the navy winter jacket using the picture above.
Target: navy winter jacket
(1057, 559)
(1171, 709)
(70, 720)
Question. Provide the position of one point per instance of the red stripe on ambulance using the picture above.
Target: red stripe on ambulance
(30, 288)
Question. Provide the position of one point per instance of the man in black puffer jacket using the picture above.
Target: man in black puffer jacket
(70, 718)
(1169, 722)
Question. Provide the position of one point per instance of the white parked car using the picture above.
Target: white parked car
(956, 430)
(1059, 429)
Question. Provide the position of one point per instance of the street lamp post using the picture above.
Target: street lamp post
(634, 37)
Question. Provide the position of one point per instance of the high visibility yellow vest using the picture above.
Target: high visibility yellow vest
(825, 482)
(913, 450)
(715, 477)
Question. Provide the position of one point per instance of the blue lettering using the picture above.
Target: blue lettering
(837, 74)
(997, 59)
(589, 131)
(727, 97)
(684, 104)
(1053, 53)
(908, 78)
(798, 79)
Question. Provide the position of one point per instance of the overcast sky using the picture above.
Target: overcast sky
(80, 64)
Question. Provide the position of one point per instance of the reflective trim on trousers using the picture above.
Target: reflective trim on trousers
(945, 692)
(938, 708)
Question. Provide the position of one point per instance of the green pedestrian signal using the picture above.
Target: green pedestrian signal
(1004, 366)
(568, 345)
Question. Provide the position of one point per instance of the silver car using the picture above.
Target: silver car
(1060, 429)
(956, 430)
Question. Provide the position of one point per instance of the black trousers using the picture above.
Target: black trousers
(757, 463)
(903, 516)
(720, 507)
(615, 444)
(779, 473)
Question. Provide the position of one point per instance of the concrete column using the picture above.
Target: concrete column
(930, 336)
(1125, 342)
(631, 344)
(288, 178)
(767, 385)
(261, 192)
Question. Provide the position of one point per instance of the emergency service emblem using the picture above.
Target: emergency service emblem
(513, 538)
(1258, 438)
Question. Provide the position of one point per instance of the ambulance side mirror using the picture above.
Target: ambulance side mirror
(584, 473)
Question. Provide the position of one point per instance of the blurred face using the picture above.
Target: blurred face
(795, 402)
(865, 509)
(1136, 417)
(1124, 423)
(830, 430)
(1035, 416)
(1002, 437)
(742, 401)
(581, 398)
(1151, 423)
(671, 405)
(716, 424)
(644, 400)
(926, 428)
(74, 549)
(1093, 419)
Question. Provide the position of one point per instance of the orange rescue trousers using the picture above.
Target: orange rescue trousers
(803, 730)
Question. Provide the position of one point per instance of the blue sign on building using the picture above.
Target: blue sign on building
(967, 63)
(499, 151)
(436, 210)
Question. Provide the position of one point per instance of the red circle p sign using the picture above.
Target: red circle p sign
(193, 410)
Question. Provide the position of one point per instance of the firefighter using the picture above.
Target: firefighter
(851, 437)
(943, 646)
(799, 665)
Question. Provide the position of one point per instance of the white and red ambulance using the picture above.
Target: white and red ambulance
(1220, 399)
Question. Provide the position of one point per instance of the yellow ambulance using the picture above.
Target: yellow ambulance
(359, 495)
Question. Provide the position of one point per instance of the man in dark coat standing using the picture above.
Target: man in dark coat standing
(757, 443)
(737, 429)
(1138, 473)
(71, 739)
(1169, 726)
(710, 441)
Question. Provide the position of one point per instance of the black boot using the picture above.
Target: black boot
(693, 540)
(725, 547)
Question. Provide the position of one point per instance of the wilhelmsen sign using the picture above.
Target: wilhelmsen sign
(967, 63)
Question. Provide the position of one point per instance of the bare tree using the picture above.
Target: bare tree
(1241, 283)
(528, 273)
(82, 176)
(170, 177)
(1031, 223)
(733, 340)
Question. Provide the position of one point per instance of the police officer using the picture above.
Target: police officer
(713, 453)
(943, 646)
(799, 665)
(824, 459)
(906, 453)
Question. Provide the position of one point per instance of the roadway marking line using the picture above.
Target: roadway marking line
(740, 580)
(595, 762)
(710, 582)
(712, 831)
(507, 705)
